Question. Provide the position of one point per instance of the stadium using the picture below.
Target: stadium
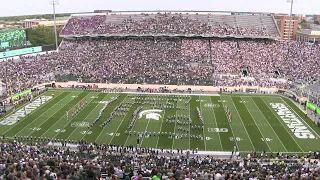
(216, 94)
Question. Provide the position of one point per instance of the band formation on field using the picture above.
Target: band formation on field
(164, 121)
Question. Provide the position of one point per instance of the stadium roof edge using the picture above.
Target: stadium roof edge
(151, 12)
(195, 11)
(175, 11)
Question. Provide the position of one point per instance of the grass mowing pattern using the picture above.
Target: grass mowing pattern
(31, 117)
(164, 141)
(223, 122)
(125, 121)
(285, 137)
(96, 130)
(61, 113)
(195, 143)
(82, 115)
(251, 128)
(254, 120)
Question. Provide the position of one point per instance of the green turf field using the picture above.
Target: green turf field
(259, 122)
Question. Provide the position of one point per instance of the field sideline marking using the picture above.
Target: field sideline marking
(119, 124)
(235, 107)
(204, 137)
(62, 117)
(25, 116)
(164, 113)
(256, 125)
(300, 117)
(234, 139)
(179, 94)
(277, 116)
(216, 123)
(40, 116)
(274, 152)
(269, 123)
(84, 120)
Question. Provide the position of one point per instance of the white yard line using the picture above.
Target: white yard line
(174, 131)
(204, 136)
(164, 113)
(48, 117)
(145, 130)
(101, 115)
(63, 117)
(30, 113)
(242, 123)
(256, 124)
(21, 107)
(92, 111)
(229, 126)
(118, 126)
(282, 125)
(269, 124)
(215, 123)
(69, 121)
(175, 125)
(137, 132)
(300, 117)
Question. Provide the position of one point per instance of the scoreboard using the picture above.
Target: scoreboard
(12, 38)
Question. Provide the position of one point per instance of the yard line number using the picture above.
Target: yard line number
(60, 130)
(179, 137)
(86, 132)
(266, 139)
(35, 129)
(235, 139)
(103, 102)
(115, 134)
(218, 130)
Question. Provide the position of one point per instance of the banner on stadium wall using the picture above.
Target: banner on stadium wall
(20, 94)
(313, 107)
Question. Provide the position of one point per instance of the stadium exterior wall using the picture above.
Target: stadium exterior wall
(156, 86)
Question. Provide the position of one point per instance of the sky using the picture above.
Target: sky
(26, 7)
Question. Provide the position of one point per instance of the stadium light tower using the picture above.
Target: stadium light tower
(290, 22)
(54, 3)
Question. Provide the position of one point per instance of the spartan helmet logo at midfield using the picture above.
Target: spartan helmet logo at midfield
(151, 114)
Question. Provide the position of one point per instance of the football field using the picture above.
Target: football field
(268, 123)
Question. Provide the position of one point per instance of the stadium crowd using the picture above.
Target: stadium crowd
(160, 60)
(90, 161)
(169, 61)
(160, 23)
